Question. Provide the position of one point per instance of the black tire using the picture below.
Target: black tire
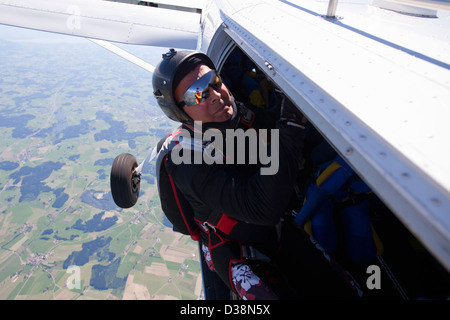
(124, 184)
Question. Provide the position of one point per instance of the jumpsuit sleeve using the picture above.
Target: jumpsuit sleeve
(258, 199)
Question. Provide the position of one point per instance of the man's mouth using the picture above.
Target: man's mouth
(222, 108)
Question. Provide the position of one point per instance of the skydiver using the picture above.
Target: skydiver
(240, 216)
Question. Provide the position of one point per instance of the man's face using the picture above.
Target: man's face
(216, 108)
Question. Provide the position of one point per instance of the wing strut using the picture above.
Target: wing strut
(124, 54)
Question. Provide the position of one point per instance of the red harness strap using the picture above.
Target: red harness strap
(195, 234)
(226, 224)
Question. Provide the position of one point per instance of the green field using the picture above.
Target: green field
(67, 109)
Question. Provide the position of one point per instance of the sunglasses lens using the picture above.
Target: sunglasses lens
(217, 82)
(199, 90)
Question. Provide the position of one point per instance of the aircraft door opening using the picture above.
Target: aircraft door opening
(385, 242)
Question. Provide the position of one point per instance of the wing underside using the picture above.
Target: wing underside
(105, 20)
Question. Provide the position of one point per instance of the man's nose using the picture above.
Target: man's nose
(214, 94)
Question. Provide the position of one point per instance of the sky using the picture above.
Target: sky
(149, 54)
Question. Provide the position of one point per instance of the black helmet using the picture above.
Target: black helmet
(168, 74)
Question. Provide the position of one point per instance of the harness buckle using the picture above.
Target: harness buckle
(206, 227)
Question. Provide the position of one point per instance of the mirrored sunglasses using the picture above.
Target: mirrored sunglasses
(199, 90)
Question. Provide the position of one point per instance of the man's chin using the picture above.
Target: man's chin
(224, 114)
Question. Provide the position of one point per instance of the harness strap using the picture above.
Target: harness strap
(226, 224)
(195, 234)
(248, 118)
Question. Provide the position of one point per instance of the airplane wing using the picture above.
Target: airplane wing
(106, 20)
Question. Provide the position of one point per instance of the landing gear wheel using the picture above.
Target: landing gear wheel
(125, 183)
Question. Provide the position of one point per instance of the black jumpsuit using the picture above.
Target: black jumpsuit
(253, 205)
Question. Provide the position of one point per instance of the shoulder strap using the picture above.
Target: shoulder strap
(173, 203)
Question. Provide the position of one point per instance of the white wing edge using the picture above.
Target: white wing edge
(105, 20)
